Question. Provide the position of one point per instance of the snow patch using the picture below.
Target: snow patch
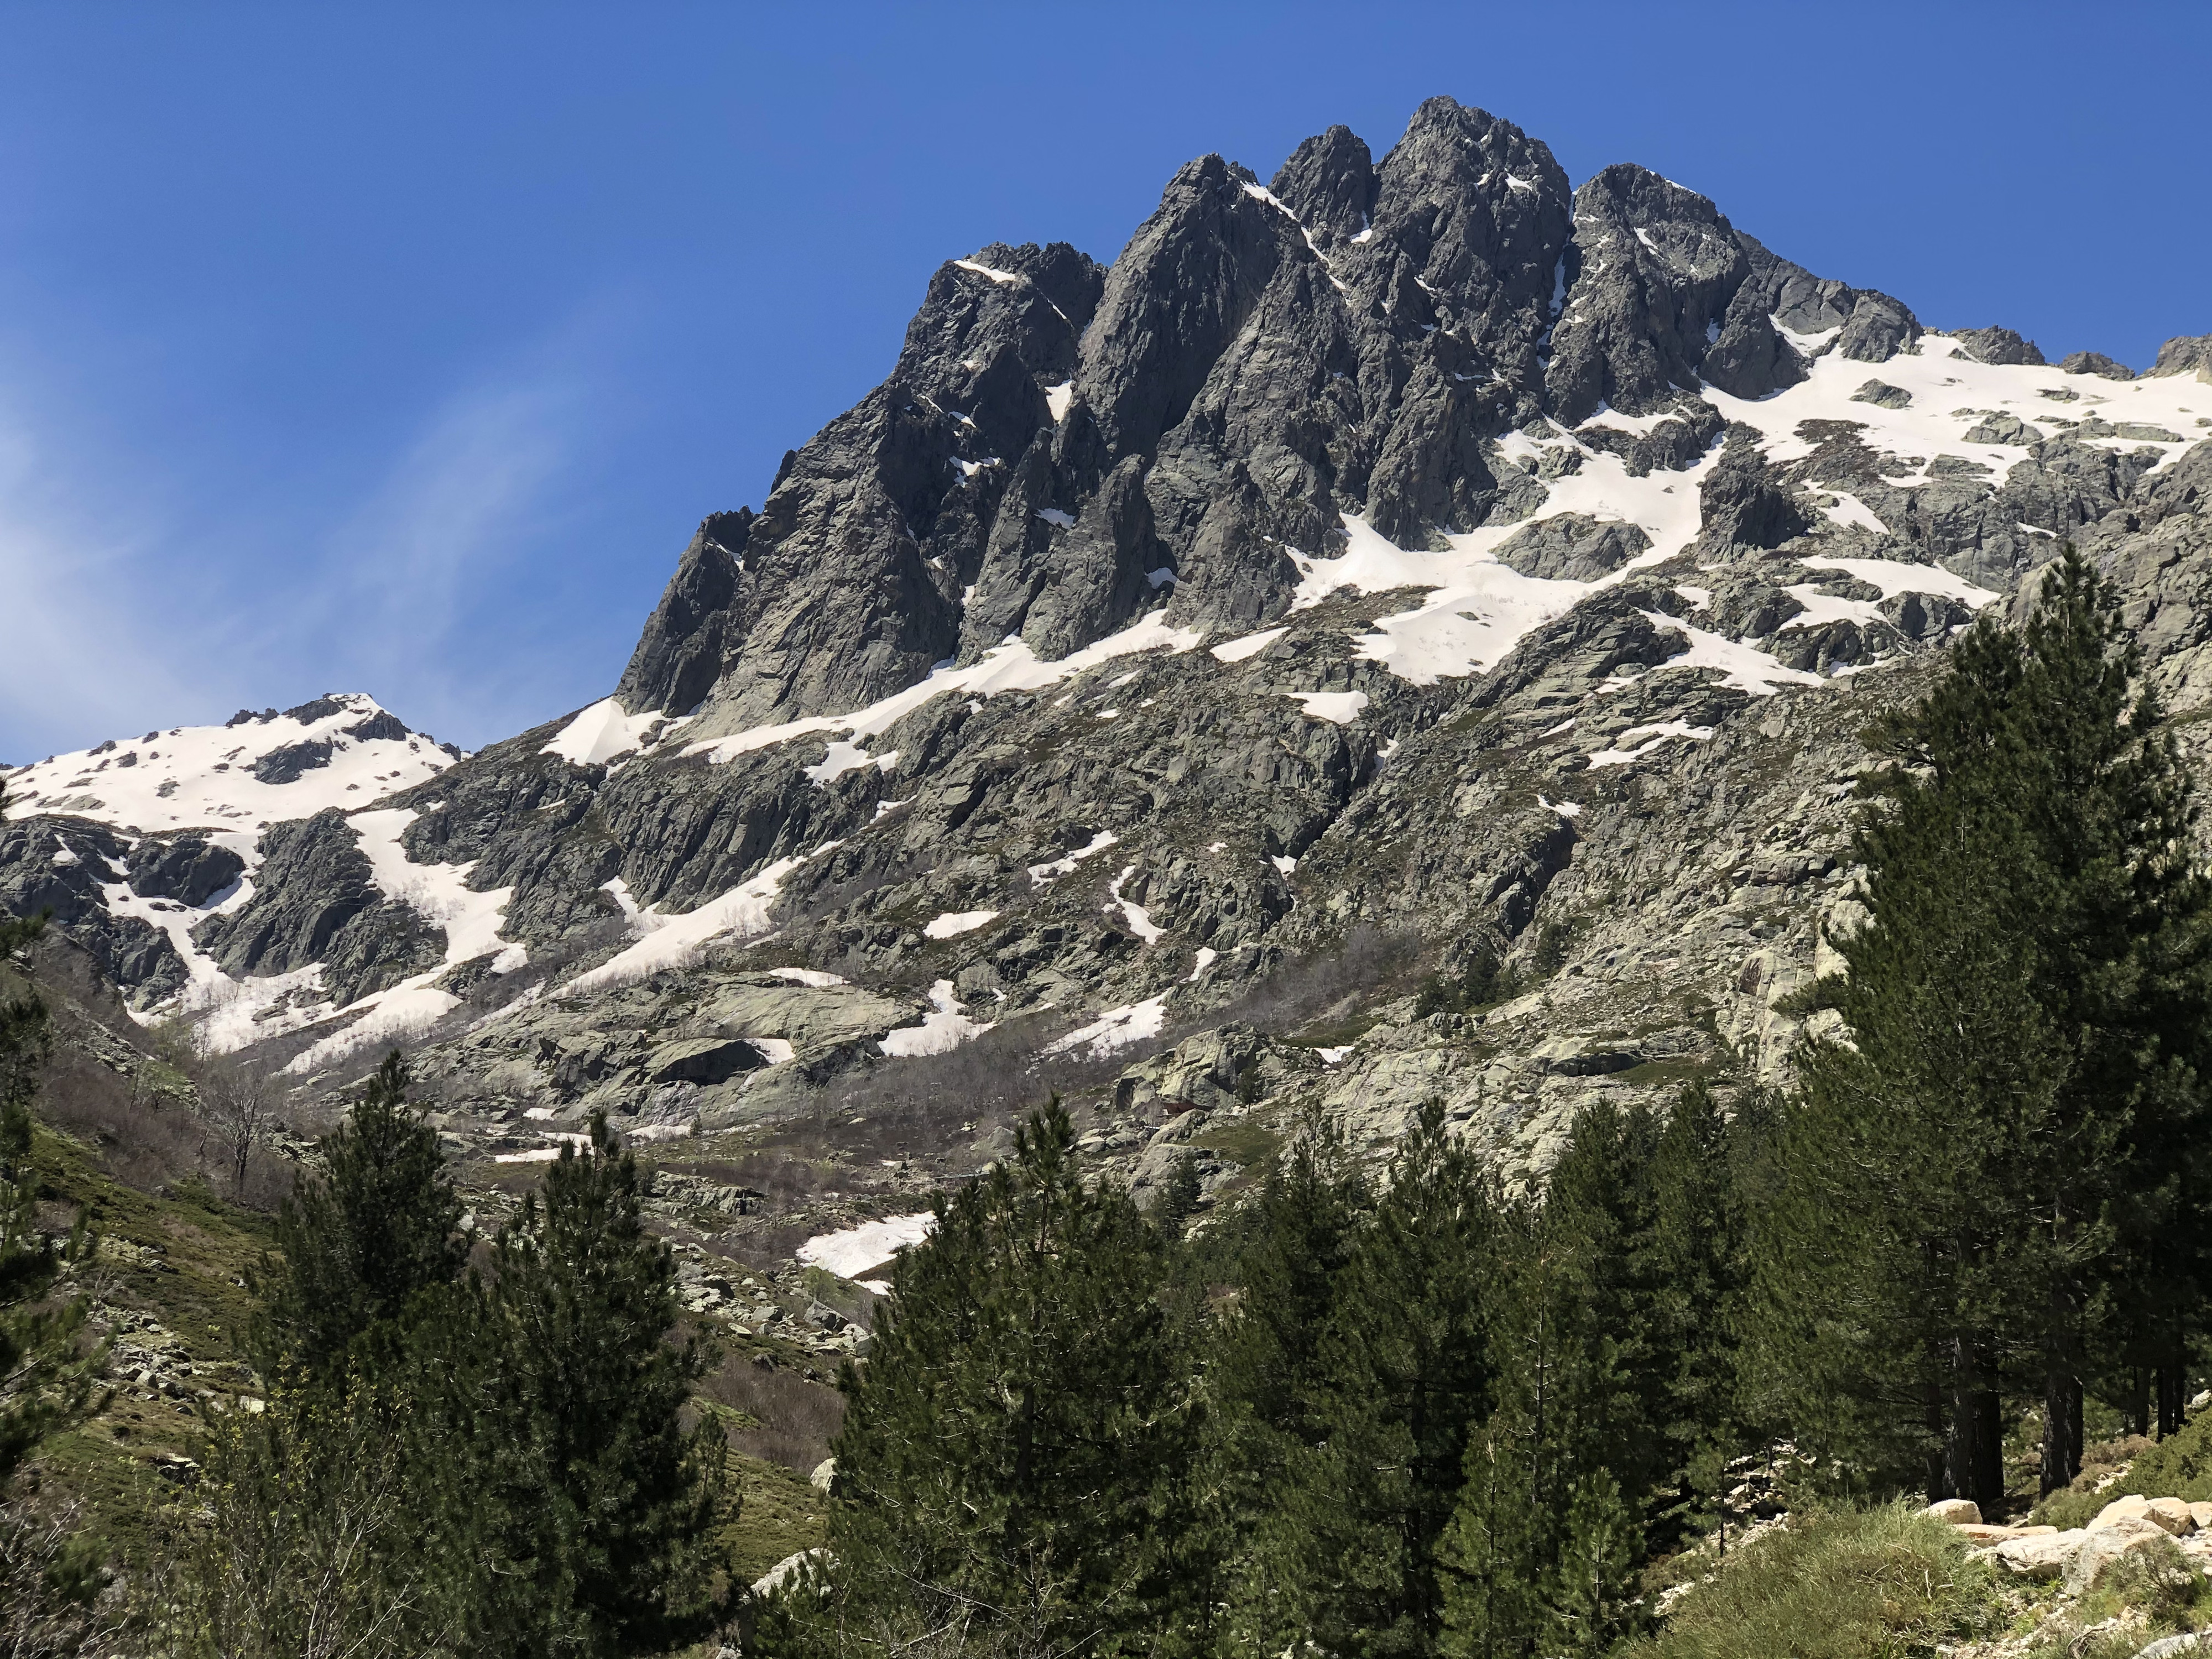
(1057, 398)
(1009, 667)
(1742, 666)
(668, 941)
(1657, 736)
(1250, 646)
(1893, 577)
(1850, 511)
(844, 756)
(1001, 277)
(953, 923)
(1137, 917)
(943, 1030)
(604, 730)
(1337, 707)
(202, 776)
(1064, 865)
(1115, 1029)
(870, 1244)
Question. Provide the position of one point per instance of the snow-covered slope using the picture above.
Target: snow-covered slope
(341, 751)
(219, 787)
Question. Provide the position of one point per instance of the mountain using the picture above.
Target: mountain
(1400, 630)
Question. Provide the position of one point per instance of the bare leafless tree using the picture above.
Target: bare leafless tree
(238, 1099)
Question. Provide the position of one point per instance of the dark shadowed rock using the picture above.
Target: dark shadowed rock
(1653, 268)
(1998, 346)
(58, 867)
(2097, 364)
(285, 764)
(315, 899)
(1744, 502)
(186, 867)
(1329, 183)
(697, 624)
(1572, 547)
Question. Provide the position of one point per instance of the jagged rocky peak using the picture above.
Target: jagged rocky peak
(1062, 447)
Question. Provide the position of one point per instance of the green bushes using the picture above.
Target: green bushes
(2179, 1466)
(1841, 1584)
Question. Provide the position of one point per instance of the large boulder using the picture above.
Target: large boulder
(2170, 1514)
(1958, 1511)
(704, 1060)
(2105, 1547)
(2043, 1557)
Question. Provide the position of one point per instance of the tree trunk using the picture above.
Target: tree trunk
(2061, 1428)
(2138, 1413)
(1939, 1464)
(2170, 1386)
(1974, 1452)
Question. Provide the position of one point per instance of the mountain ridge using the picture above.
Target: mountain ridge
(1418, 567)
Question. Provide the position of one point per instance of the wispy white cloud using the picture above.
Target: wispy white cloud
(408, 584)
(77, 654)
(180, 608)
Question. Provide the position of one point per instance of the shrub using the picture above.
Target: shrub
(2179, 1466)
(1843, 1584)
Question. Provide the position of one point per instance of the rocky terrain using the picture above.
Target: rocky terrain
(1402, 630)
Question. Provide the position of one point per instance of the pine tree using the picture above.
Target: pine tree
(1010, 1468)
(1265, 1377)
(1549, 1529)
(1698, 1201)
(600, 1495)
(1178, 1199)
(1404, 1377)
(358, 1247)
(1979, 1176)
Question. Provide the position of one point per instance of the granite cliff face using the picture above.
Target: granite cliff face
(1399, 631)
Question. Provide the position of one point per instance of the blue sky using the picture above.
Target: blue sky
(399, 348)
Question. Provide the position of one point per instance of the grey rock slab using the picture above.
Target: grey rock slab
(2097, 364)
(1882, 395)
(1572, 547)
(1998, 346)
(2184, 354)
(1999, 428)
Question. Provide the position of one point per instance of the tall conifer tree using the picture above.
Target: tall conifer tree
(1981, 1173)
(1405, 1376)
(1012, 1469)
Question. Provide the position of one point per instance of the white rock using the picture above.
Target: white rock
(2045, 1557)
(1958, 1511)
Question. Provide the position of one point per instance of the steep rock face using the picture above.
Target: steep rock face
(1654, 268)
(697, 628)
(847, 587)
(316, 900)
(60, 868)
